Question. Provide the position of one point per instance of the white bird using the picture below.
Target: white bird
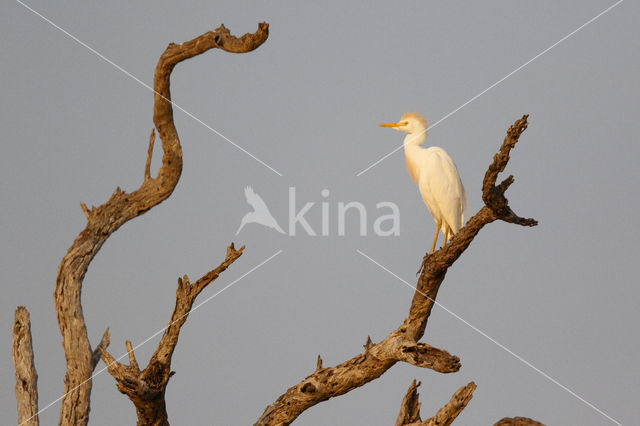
(260, 213)
(436, 175)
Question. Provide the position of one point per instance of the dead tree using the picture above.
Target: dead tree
(26, 376)
(146, 387)
(403, 344)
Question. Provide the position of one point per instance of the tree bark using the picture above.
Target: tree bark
(25, 369)
(518, 421)
(146, 388)
(402, 344)
(102, 221)
(410, 407)
(447, 414)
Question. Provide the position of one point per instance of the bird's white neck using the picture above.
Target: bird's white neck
(412, 146)
(415, 139)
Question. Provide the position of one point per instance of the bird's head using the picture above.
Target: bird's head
(410, 122)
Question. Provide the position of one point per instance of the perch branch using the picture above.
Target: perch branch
(401, 344)
(120, 208)
(25, 369)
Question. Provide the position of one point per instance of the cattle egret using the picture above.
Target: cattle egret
(436, 175)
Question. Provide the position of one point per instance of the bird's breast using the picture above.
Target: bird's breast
(412, 167)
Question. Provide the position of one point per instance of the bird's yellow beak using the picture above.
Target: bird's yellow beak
(401, 123)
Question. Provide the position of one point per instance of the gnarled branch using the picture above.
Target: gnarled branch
(378, 358)
(25, 369)
(102, 221)
(517, 421)
(146, 388)
(410, 408)
(104, 344)
(447, 414)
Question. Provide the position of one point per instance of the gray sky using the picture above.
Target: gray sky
(561, 295)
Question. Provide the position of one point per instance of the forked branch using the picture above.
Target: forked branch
(447, 414)
(403, 343)
(25, 369)
(410, 408)
(104, 220)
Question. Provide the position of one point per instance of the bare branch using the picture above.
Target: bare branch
(104, 343)
(132, 357)
(410, 407)
(368, 344)
(518, 421)
(146, 388)
(447, 414)
(25, 369)
(493, 196)
(85, 210)
(120, 208)
(426, 356)
(147, 166)
(185, 296)
(401, 344)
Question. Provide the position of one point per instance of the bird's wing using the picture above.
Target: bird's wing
(464, 202)
(446, 187)
(254, 200)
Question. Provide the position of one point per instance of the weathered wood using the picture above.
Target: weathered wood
(517, 421)
(25, 369)
(146, 388)
(402, 343)
(410, 406)
(447, 414)
(104, 220)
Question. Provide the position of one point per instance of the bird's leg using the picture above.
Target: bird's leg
(446, 237)
(435, 238)
(433, 247)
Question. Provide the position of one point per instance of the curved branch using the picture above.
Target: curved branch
(25, 369)
(146, 388)
(378, 358)
(120, 208)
